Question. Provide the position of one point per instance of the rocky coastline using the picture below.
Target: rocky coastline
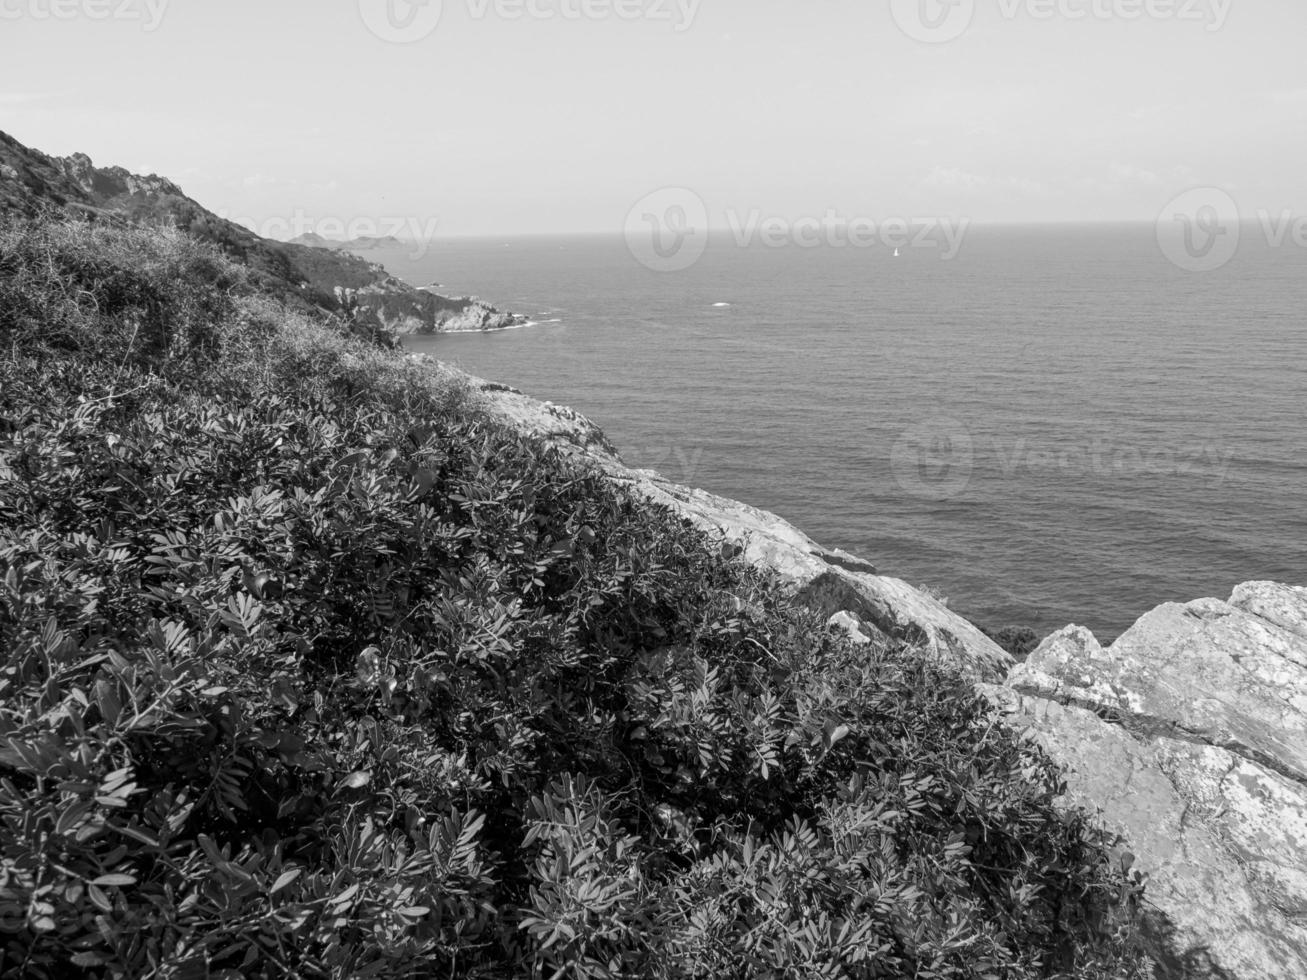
(1187, 736)
(393, 306)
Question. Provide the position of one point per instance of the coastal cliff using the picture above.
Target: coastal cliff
(396, 307)
(1187, 737)
(299, 632)
(307, 271)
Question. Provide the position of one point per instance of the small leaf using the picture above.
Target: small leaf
(835, 733)
(284, 879)
(72, 817)
(344, 897)
(114, 881)
(357, 780)
(99, 898)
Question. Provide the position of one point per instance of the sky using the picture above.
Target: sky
(498, 117)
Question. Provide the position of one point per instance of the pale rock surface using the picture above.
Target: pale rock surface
(1189, 737)
(851, 625)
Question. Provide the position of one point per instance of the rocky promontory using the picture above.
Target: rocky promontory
(395, 306)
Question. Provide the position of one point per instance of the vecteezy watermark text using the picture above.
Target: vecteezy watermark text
(413, 232)
(667, 231)
(679, 13)
(679, 463)
(1201, 230)
(940, 21)
(406, 21)
(149, 13)
(834, 230)
(938, 458)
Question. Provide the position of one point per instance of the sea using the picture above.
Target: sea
(1057, 424)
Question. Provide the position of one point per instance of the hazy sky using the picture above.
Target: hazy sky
(510, 116)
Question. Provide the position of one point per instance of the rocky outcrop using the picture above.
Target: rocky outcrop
(1189, 737)
(393, 305)
(30, 181)
(467, 314)
(831, 581)
(106, 183)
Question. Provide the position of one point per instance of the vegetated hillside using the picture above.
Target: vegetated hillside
(39, 182)
(33, 183)
(309, 670)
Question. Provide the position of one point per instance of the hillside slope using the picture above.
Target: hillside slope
(314, 666)
(331, 279)
(217, 500)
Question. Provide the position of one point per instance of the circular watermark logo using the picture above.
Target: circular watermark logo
(667, 231)
(933, 459)
(933, 21)
(400, 21)
(1199, 230)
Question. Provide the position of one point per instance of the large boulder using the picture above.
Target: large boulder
(1189, 737)
(827, 579)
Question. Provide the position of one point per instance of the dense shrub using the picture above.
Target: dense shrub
(309, 670)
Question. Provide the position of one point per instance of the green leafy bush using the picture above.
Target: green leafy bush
(310, 670)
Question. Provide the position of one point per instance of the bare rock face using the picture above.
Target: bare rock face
(1189, 736)
(828, 580)
(399, 308)
(110, 182)
(555, 425)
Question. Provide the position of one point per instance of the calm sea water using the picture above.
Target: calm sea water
(1056, 426)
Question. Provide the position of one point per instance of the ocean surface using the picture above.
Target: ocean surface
(1058, 425)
